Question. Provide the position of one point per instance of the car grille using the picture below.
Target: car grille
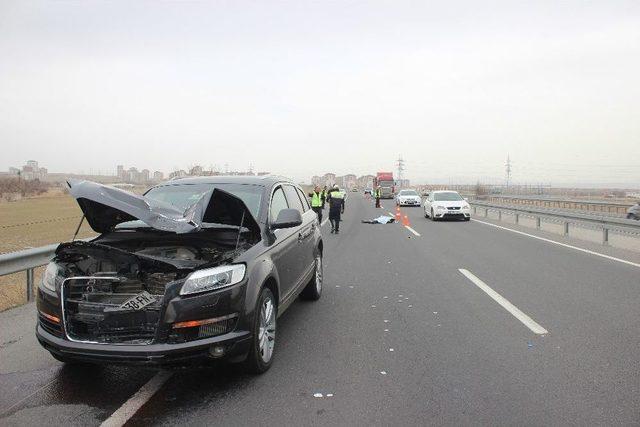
(454, 208)
(92, 313)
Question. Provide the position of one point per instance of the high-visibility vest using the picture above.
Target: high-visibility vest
(316, 200)
(337, 195)
(377, 192)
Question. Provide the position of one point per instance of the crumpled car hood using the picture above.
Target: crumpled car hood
(105, 207)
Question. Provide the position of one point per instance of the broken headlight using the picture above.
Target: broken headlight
(51, 276)
(211, 279)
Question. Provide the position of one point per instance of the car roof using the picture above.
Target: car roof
(264, 180)
(444, 191)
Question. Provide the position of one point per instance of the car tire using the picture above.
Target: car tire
(426, 215)
(467, 218)
(260, 355)
(313, 290)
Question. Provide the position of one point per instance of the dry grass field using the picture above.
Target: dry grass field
(33, 222)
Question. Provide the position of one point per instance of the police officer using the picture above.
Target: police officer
(324, 196)
(317, 202)
(336, 208)
(377, 196)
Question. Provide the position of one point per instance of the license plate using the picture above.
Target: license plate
(138, 302)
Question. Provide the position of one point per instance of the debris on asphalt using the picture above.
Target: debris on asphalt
(329, 394)
(380, 220)
(386, 330)
(529, 344)
(383, 372)
(410, 306)
(373, 306)
(385, 297)
(337, 286)
(435, 312)
(317, 395)
(390, 349)
(350, 287)
(386, 321)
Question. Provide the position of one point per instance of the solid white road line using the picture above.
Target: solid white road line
(528, 322)
(142, 396)
(587, 251)
(412, 230)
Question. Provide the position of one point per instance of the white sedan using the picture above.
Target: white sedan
(408, 198)
(446, 204)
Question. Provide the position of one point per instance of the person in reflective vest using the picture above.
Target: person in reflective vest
(316, 202)
(336, 208)
(376, 193)
(324, 196)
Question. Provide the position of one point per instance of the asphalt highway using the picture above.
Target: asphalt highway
(442, 323)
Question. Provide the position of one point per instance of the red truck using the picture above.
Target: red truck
(386, 183)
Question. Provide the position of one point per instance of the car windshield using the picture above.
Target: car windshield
(408, 193)
(449, 196)
(184, 195)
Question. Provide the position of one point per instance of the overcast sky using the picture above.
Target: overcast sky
(301, 88)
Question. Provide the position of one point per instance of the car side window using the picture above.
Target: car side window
(292, 198)
(305, 202)
(278, 203)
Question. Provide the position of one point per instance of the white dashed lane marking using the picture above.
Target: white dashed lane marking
(515, 311)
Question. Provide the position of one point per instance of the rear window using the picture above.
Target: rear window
(408, 193)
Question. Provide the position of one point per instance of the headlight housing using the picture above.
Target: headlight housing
(211, 279)
(51, 276)
(466, 208)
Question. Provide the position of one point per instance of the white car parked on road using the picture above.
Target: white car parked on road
(446, 204)
(408, 198)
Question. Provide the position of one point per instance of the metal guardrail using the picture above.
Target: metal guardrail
(605, 223)
(27, 260)
(600, 206)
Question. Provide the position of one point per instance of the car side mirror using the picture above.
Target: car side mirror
(287, 218)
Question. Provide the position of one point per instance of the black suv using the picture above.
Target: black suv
(197, 268)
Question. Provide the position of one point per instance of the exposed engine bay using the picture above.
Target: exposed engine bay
(116, 285)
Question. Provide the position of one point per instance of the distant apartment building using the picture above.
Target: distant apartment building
(365, 181)
(350, 181)
(328, 179)
(403, 183)
(121, 172)
(30, 171)
(158, 176)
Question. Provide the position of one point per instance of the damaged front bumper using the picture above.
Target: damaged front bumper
(172, 342)
(235, 345)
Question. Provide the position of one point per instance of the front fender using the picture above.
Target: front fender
(263, 271)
